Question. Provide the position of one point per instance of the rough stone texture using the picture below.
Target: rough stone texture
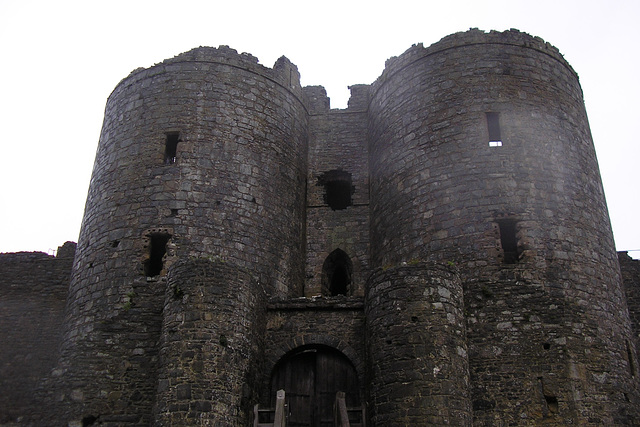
(337, 141)
(33, 291)
(212, 341)
(630, 269)
(482, 284)
(336, 322)
(439, 192)
(235, 192)
(417, 347)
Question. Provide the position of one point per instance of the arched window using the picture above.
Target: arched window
(336, 274)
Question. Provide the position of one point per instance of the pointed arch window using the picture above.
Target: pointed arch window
(337, 272)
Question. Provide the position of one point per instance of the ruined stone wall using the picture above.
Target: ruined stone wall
(33, 291)
(441, 191)
(337, 145)
(203, 155)
(630, 269)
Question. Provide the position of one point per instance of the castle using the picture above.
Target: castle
(440, 251)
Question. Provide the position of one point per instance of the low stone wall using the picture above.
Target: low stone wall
(33, 291)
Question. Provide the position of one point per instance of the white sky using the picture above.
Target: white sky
(61, 60)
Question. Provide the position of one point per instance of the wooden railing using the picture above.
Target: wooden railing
(274, 417)
(347, 417)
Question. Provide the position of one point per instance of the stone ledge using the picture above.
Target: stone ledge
(317, 303)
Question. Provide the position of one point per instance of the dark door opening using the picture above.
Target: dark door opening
(311, 377)
(336, 273)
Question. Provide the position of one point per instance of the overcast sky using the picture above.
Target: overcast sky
(61, 60)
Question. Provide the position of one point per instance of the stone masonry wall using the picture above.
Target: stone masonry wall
(440, 191)
(417, 351)
(458, 194)
(337, 142)
(630, 269)
(335, 322)
(212, 345)
(232, 189)
(33, 292)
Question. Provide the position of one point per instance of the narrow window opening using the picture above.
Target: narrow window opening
(552, 404)
(338, 194)
(171, 148)
(340, 281)
(632, 367)
(157, 249)
(338, 189)
(509, 241)
(89, 420)
(550, 399)
(493, 125)
(336, 274)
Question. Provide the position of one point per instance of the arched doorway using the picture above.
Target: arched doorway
(311, 376)
(336, 273)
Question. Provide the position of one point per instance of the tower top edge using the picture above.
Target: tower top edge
(282, 70)
(473, 36)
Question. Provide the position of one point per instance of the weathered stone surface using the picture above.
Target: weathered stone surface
(444, 240)
(33, 292)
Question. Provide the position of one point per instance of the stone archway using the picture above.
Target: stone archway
(311, 376)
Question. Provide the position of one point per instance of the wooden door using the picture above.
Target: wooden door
(311, 378)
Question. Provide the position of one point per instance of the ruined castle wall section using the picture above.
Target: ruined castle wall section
(630, 269)
(33, 291)
(337, 195)
(203, 155)
(481, 156)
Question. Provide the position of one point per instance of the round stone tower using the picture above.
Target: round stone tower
(481, 157)
(201, 156)
(417, 346)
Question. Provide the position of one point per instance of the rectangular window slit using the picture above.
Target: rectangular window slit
(493, 125)
(552, 404)
(157, 249)
(632, 367)
(509, 241)
(171, 148)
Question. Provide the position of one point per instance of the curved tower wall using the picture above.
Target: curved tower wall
(212, 336)
(436, 180)
(232, 191)
(440, 192)
(417, 347)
